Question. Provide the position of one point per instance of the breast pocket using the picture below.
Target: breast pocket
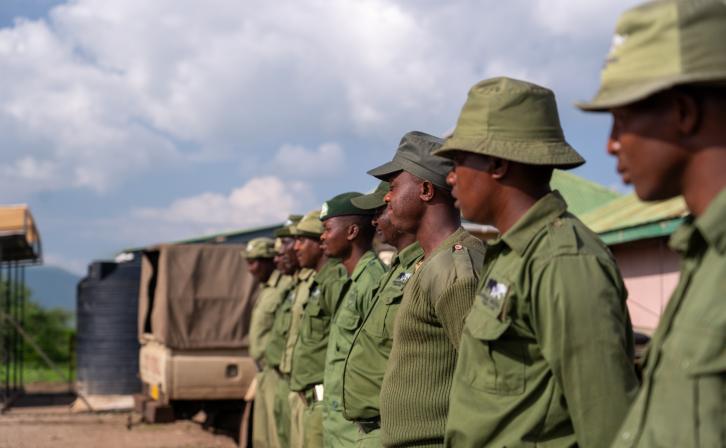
(348, 319)
(700, 353)
(318, 323)
(391, 306)
(496, 360)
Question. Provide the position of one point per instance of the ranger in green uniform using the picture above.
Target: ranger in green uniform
(348, 235)
(264, 427)
(665, 84)
(308, 359)
(260, 254)
(366, 361)
(546, 357)
(415, 391)
(280, 329)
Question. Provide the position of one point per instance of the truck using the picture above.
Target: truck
(195, 303)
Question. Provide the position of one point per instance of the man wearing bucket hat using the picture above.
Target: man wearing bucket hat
(322, 292)
(414, 397)
(665, 84)
(546, 355)
(348, 235)
(371, 347)
(264, 426)
(260, 254)
(277, 344)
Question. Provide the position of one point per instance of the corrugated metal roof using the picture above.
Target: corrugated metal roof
(581, 194)
(629, 219)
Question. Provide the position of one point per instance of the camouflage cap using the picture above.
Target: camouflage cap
(373, 201)
(662, 44)
(512, 120)
(341, 205)
(415, 154)
(310, 226)
(260, 248)
(288, 227)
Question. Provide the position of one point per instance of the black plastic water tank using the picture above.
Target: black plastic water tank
(107, 346)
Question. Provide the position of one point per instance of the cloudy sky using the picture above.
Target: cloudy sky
(130, 122)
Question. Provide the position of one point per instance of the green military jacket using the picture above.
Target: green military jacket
(263, 314)
(414, 397)
(306, 278)
(366, 361)
(281, 324)
(353, 307)
(683, 398)
(546, 357)
(308, 362)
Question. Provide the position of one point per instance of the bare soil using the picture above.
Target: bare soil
(45, 420)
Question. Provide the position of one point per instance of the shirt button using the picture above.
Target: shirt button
(686, 364)
(626, 435)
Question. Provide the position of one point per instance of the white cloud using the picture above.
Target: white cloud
(580, 19)
(299, 162)
(260, 201)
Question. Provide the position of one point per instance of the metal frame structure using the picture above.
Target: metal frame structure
(19, 247)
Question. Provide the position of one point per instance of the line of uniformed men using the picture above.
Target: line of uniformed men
(524, 340)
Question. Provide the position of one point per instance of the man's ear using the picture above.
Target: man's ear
(689, 111)
(498, 168)
(353, 231)
(426, 191)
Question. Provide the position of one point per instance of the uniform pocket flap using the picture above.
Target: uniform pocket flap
(313, 309)
(348, 321)
(483, 322)
(703, 351)
(391, 298)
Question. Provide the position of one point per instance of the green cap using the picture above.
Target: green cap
(512, 120)
(341, 205)
(310, 226)
(260, 248)
(288, 227)
(415, 154)
(662, 44)
(373, 201)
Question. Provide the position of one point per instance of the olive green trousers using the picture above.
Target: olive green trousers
(264, 429)
(282, 411)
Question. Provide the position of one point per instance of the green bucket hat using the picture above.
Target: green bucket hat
(663, 44)
(373, 201)
(512, 120)
(288, 227)
(260, 248)
(310, 226)
(415, 154)
(341, 205)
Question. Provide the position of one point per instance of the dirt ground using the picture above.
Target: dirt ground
(45, 420)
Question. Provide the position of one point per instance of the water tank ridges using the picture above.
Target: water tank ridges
(107, 348)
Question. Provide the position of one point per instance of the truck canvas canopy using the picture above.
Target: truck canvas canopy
(196, 296)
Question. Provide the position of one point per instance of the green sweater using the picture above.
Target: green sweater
(415, 392)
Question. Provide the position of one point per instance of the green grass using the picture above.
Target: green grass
(41, 374)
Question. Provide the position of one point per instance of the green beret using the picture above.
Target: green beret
(341, 205)
(288, 227)
(310, 226)
(415, 154)
(512, 120)
(260, 248)
(659, 45)
(373, 201)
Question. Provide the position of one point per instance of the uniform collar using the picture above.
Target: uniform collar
(362, 263)
(305, 273)
(274, 278)
(328, 269)
(543, 212)
(709, 226)
(408, 255)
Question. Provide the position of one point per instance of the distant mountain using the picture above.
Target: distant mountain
(52, 287)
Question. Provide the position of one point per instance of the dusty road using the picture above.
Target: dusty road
(52, 425)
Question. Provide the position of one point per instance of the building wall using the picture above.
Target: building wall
(650, 270)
